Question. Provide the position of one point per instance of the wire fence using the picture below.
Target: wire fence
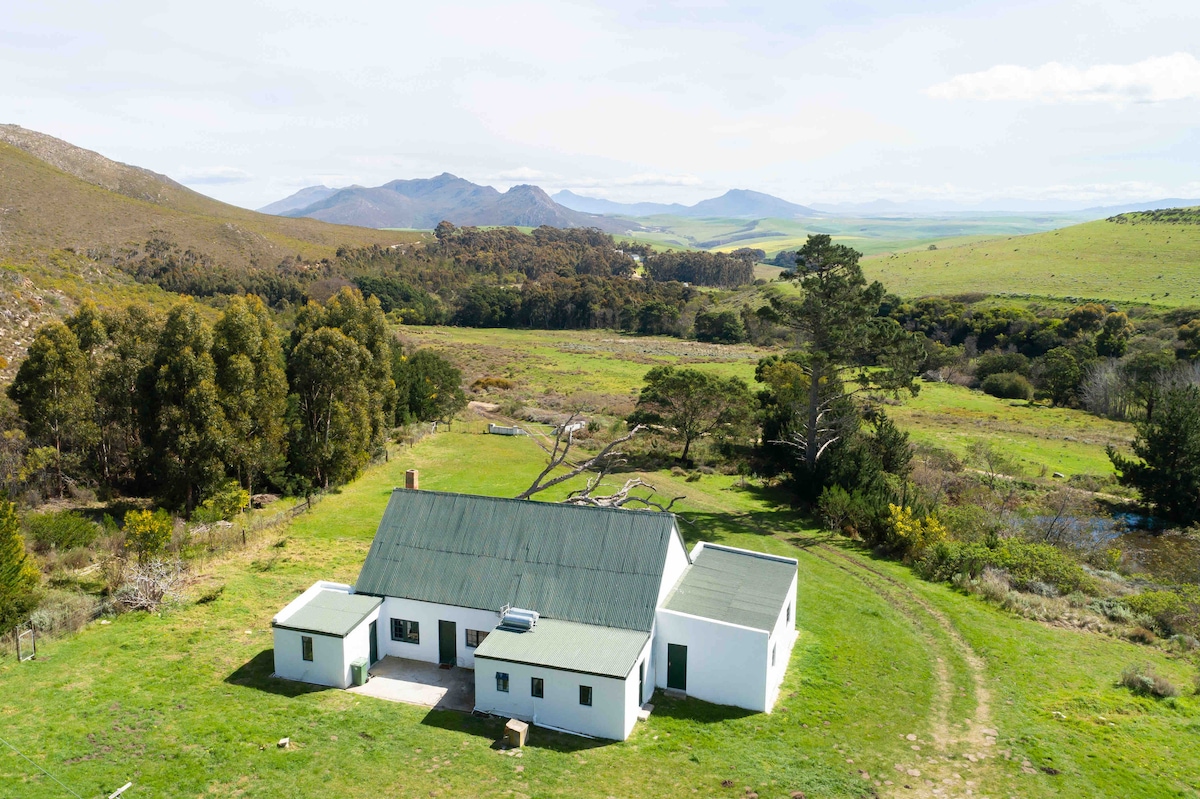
(197, 544)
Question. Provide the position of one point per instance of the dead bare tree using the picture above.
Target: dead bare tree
(619, 498)
(602, 462)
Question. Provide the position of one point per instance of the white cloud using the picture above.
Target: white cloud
(1154, 80)
(213, 175)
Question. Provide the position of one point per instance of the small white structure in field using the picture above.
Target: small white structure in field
(570, 616)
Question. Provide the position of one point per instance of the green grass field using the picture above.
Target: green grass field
(1042, 439)
(1152, 263)
(890, 676)
(870, 236)
(602, 371)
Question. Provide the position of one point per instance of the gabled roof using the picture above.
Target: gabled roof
(330, 613)
(734, 586)
(588, 565)
(586, 648)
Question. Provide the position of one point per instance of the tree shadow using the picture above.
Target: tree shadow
(256, 673)
(492, 727)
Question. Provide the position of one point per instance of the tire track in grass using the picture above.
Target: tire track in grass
(957, 749)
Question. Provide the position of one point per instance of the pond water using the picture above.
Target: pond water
(1171, 555)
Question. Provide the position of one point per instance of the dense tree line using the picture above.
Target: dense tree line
(701, 268)
(128, 402)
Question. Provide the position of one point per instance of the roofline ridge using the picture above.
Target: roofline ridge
(702, 545)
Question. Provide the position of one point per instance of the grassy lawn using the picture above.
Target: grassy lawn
(1041, 438)
(182, 704)
(1157, 264)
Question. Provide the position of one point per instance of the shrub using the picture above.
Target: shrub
(61, 531)
(489, 383)
(223, 504)
(147, 533)
(994, 363)
(1022, 560)
(1141, 635)
(721, 327)
(1112, 609)
(993, 584)
(1008, 385)
(211, 595)
(1174, 611)
(1145, 681)
(913, 534)
(63, 612)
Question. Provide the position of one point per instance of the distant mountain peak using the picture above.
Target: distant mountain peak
(739, 203)
(424, 202)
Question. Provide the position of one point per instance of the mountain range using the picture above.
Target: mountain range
(735, 203)
(424, 202)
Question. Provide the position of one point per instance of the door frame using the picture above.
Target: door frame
(373, 632)
(447, 642)
(677, 655)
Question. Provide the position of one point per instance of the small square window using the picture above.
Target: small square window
(475, 637)
(585, 695)
(306, 647)
(408, 632)
(537, 688)
(502, 681)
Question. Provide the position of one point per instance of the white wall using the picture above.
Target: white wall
(612, 713)
(328, 666)
(726, 663)
(677, 561)
(427, 614)
(783, 638)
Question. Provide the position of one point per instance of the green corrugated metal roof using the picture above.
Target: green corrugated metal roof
(588, 565)
(331, 613)
(566, 645)
(736, 587)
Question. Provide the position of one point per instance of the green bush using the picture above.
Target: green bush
(1175, 611)
(1145, 681)
(1008, 385)
(62, 531)
(223, 504)
(1024, 562)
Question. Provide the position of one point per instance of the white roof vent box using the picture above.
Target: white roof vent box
(518, 618)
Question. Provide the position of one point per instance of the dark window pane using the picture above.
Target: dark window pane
(537, 688)
(585, 695)
(306, 647)
(502, 681)
(475, 637)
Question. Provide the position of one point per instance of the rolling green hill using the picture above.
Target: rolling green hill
(1133, 258)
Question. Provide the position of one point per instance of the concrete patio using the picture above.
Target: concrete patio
(418, 683)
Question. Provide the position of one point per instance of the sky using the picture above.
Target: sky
(1088, 102)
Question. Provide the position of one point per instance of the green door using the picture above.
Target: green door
(677, 667)
(373, 632)
(447, 643)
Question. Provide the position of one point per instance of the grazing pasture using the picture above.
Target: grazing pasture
(1155, 263)
(893, 683)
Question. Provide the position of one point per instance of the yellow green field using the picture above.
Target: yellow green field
(1151, 263)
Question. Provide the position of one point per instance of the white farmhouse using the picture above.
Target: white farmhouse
(570, 616)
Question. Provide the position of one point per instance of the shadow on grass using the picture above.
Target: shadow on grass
(492, 727)
(696, 710)
(256, 673)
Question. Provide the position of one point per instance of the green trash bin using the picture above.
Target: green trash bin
(358, 671)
